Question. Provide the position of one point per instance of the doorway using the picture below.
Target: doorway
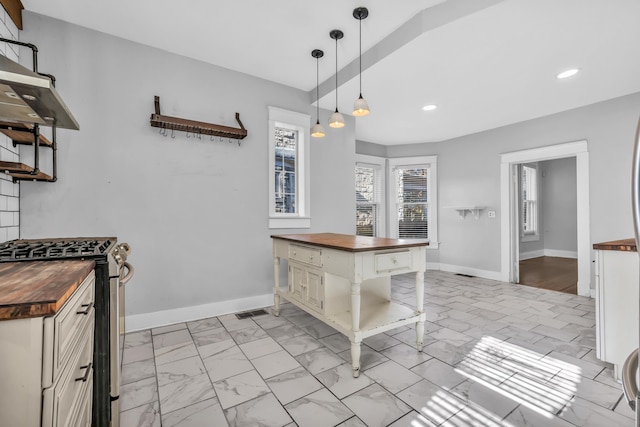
(510, 221)
(546, 204)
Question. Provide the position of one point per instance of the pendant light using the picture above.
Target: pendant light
(360, 107)
(317, 131)
(336, 120)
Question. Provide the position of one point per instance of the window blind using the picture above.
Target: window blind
(412, 201)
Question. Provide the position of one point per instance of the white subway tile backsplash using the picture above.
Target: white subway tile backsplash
(13, 204)
(9, 192)
(13, 233)
(6, 219)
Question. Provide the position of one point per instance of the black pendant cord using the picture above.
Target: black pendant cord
(317, 90)
(360, 57)
(336, 74)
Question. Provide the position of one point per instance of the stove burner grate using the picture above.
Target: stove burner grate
(20, 250)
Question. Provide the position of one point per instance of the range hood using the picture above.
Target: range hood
(28, 97)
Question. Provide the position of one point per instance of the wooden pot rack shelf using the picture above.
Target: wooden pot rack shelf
(166, 123)
(28, 134)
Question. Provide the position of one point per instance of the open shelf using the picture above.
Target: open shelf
(22, 172)
(474, 210)
(375, 318)
(22, 133)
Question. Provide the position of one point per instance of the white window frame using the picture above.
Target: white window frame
(301, 123)
(378, 164)
(535, 235)
(414, 162)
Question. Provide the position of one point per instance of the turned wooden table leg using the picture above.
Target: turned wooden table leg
(419, 308)
(355, 327)
(276, 286)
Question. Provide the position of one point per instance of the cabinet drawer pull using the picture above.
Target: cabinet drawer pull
(86, 310)
(85, 377)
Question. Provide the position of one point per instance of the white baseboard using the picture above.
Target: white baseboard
(531, 254)
(156, 319)
(561, 254)
(548, 252)
(485, 274)
(433, 266)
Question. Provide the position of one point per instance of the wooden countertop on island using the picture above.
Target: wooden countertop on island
(628, 245)
(351, 243)
(39, 288)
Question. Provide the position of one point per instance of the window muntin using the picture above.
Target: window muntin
(289, 178)
(367, 201)
(529, 191)
(286, 166)
(413, 198)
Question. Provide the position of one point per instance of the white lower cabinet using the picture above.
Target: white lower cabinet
(46, 374)
(616, 306)
(307, 285)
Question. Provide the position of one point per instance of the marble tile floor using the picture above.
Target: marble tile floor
(495, 354)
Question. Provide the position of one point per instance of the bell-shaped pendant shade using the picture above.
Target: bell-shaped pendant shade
(317, 131)
(336, 120)
(360, 107)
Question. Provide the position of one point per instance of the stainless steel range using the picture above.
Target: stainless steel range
(112, 273)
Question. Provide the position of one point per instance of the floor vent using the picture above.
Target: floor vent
(464, 275)
(247, 314)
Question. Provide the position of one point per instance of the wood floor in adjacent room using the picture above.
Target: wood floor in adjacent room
(553, 273)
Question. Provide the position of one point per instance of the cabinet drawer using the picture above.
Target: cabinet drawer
(65, 329)
(307, 255)
(392, 261)
(62, 402)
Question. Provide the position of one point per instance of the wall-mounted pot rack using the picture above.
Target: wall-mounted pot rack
(166, 123)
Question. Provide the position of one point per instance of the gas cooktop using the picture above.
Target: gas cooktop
(49, 249)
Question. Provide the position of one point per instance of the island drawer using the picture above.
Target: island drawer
(306, 255)
(393, 261)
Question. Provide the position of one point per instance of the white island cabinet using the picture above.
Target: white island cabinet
(46, 336)
(345, 281)
(616, 301)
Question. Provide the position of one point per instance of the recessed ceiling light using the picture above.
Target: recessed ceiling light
(568, 73)
(429, 107)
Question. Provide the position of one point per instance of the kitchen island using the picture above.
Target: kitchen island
(345, 281)
(616, 301)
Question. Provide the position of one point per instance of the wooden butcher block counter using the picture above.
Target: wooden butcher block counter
(39, 288)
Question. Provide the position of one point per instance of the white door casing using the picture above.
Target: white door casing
(509, 237)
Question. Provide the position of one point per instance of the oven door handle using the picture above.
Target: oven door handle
(129, 275)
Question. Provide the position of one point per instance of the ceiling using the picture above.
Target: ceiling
(485, 63)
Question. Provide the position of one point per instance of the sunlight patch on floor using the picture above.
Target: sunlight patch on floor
(510, 371)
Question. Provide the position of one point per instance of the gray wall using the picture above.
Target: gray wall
(469, 174)
(558, 204)
(195, 212)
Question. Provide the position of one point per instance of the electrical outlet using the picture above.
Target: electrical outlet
(491, 214)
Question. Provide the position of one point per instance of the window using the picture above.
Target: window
(369, 196)
(288, 169)
(413, 196)
(529, 196)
